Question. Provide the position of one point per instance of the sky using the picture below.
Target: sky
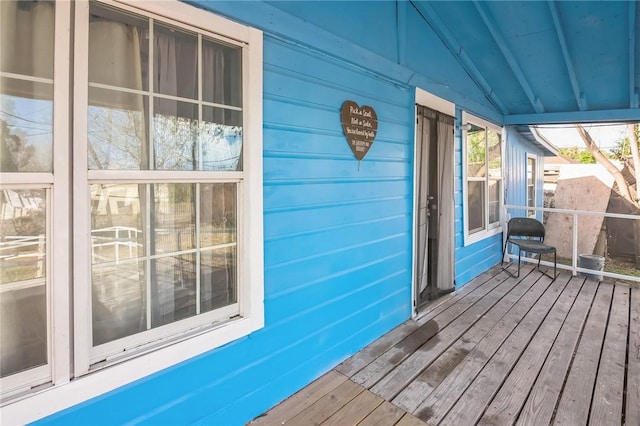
(565, 135)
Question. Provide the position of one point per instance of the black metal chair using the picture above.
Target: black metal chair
(528, 235)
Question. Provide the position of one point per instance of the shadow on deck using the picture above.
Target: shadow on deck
(499, 351)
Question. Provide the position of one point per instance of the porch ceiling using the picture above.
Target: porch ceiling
(546, 61)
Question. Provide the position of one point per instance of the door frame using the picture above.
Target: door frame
(429, 100)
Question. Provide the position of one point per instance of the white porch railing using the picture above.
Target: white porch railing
(575, 232)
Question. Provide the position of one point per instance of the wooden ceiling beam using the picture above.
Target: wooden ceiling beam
(579, 95)
(431, 18)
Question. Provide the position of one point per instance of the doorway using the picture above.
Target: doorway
(434, 233)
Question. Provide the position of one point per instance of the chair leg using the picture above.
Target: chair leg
(555, 265)
(519, 254)
(504, 250)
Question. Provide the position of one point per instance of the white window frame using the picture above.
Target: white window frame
(534, 158)
(493, 228)
(57, 231)
(71, 383)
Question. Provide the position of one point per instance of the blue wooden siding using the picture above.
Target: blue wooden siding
(337, 250)
(515, 166)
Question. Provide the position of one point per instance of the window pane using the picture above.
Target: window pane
(173, 288)
(494, 200)
(476, 151)
(222, 73)
(27, 37)
(175, 66)
(118, 48)
(531, 185)
(218, 278)
(117, 130)
(118, 264)
(175, 135)
(218, 218)
(494, 153)
(220, 139)
(476, 201)
(26, 126)
(146, 261)
(218, 215)
(173, 218)
(23, 307)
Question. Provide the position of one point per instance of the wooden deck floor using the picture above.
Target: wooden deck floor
(499, 351)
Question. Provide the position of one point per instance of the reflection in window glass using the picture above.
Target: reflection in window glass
(476, 200)
(26, 126)
(494, 153)
(495, 188)
(23, 308)
(476, 151)
(175, 135)
(117, 130)
(220, 139)
(146, 261)
(531, 185)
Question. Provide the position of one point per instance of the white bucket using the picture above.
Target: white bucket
(591, 261)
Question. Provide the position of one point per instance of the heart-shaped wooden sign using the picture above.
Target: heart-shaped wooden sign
(360, 126)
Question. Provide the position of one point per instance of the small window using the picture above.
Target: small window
(531, 185)
(483, 178)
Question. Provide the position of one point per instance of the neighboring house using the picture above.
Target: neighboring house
(227, 199)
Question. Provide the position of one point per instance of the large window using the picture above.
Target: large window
(483, 178)
(166, 183)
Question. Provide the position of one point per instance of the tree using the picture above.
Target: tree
(580, 155)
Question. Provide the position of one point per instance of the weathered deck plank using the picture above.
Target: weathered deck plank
(384, 415)
(632, 411)
(417, 391)
(372, 351)
(474, 400)
(506, 405)
(541, 402)
(298, 402)
(392, 383)
(575, 401)
(409, 420)
(442, 303)
(361, 359)
(355, 411)
(326, 406)
(440, 401)
(377, 369)
(606, 406)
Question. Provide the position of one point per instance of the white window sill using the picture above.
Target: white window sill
(479, 236)
(34, 406)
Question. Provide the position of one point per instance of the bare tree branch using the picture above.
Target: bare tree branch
(635, 155)
(623, 187)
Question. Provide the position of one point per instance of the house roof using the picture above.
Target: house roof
(534, 137)
(545, 61)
